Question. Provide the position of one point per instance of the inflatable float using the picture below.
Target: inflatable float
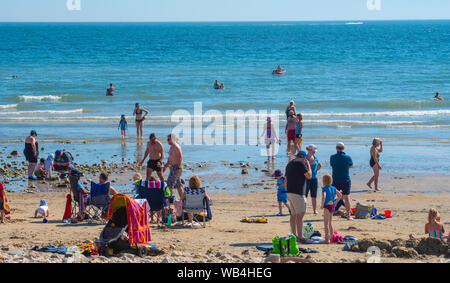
(275, 72)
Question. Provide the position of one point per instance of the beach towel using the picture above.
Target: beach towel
(254, 220)
(4, 199)
(138, 225)
(137, 217)
(337, 238)
(68, 210)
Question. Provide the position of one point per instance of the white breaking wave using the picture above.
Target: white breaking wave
(30, 98)
(387, 113)
(8, 106)
(43, 112)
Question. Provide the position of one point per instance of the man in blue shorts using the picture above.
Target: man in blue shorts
(341, 164)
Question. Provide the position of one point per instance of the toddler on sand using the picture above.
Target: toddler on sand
(42, 210)
(281, 192)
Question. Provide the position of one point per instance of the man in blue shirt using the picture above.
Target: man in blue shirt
(341, 164)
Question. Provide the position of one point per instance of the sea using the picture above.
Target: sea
(352, 81)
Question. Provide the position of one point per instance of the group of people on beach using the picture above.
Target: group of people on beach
(300, 178)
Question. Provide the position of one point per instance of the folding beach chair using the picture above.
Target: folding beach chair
(195, 202)
(153, 192)
(98, 202)
(79, 195)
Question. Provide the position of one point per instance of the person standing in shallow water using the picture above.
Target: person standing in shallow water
(140, 117)
(110, 90)
(374, 162)
(31, 153)
(270, 137)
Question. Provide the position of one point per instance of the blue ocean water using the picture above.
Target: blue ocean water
(352, 82)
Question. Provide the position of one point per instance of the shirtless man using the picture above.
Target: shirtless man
(156, 152)
(175, 163)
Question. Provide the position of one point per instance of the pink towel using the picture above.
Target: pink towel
(138, 226)
(337, 238)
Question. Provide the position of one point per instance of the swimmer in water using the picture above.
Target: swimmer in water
(222, 86)
(216, 85)
(438, 96)
(110, 90)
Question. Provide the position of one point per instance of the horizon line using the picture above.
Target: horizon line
(231, 21)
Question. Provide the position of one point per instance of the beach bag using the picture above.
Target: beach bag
(362, 211)
(285, 246)
(308, 230)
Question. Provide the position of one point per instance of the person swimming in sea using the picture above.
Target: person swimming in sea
(216, 85)
(110, 90)
(279, 70)
(438, 96)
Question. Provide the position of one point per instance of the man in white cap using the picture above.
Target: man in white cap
(341, 164)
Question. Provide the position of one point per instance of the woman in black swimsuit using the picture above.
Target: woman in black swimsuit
(31, 153)
(138, 111)
(374, 158)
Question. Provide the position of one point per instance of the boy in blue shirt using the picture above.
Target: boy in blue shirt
(281, 192)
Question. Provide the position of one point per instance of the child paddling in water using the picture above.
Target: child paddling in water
(123, 125)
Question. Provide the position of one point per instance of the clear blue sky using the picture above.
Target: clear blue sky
(220, 10)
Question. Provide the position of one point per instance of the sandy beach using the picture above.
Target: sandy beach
(226, 239)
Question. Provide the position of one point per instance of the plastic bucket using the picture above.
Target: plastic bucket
(387, 213)
(352, 210)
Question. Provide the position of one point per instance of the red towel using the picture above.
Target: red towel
(4, 199)
(68, 211)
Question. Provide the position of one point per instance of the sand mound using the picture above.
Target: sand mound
(407, 248)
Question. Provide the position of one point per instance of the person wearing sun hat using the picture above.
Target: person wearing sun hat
(313, 184)
(31, 153)
(297, 172)
(341, 164)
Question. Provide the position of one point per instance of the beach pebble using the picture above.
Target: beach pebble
(168, 260)
(404, 252)
(273, 258)
(16, 252)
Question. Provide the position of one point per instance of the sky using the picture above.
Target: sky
(220, 10)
